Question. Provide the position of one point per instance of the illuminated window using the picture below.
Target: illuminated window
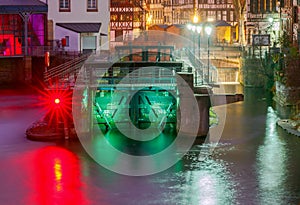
(219, 15)
(92, 5)
(64, 5)
(231, 16)
(224, 15)
(12, 37)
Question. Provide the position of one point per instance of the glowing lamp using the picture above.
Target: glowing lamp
(56, 100)
(195, 19)
(47, 59)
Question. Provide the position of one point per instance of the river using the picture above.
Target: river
(255, 162)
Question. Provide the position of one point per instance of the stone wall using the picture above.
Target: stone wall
(228, 74)
(287, 100)
(252, 73)
(11, 70)
(19, 70)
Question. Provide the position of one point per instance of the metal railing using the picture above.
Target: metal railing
(65, 70)
(201, 70)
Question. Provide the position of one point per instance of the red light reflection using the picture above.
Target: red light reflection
(57, 177)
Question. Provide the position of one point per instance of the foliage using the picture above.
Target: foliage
(267, 69)
(287, 63)
(213, 118)
(279, 75)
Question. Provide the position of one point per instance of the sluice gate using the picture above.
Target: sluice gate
(129, 94)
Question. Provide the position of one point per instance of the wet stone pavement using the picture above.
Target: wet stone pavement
(255, 162)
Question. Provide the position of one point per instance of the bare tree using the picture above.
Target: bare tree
(239, 7)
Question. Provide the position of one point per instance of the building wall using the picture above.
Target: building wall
(79, 14)
(181, 12)
(74, 44)
(258, 14)
(12, 34)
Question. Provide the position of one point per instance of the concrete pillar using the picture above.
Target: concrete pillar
(187, 123)
(27, 69)
(188, 78)
(203, 106)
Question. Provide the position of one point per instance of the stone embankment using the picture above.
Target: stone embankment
(290, 126)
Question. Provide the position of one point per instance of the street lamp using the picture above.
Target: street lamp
(193, 30)
(271, 20)
(195, 19)
(199, 29)
(208, 30)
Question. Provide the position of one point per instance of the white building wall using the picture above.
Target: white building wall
(79, 14)
(74, 38)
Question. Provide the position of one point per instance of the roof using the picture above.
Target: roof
(221, 23)
(81, 27)
(164, 26)
(16, 6)
(178, 25)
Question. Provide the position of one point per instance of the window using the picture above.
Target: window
(219, 15)
(224, 15)
(92, 5)
(67, 41)
(64, 5)
(231, 16)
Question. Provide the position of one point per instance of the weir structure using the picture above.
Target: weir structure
(140, 88)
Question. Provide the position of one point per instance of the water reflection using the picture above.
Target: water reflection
(202, 183)
(56, 178)
(271, 164)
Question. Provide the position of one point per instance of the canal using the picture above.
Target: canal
(255, 162)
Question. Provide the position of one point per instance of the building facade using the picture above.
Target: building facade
(128, 18)
(78, 25)
(23, 36)
(273, 18)
(183, 11)
(23, 27)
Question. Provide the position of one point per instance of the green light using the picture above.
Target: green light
(146, 108)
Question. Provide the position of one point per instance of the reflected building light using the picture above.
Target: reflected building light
(271, 174)
(210, 185)
(58, 174)
(207, 185)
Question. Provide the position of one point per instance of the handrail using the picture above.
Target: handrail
(65, 68)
